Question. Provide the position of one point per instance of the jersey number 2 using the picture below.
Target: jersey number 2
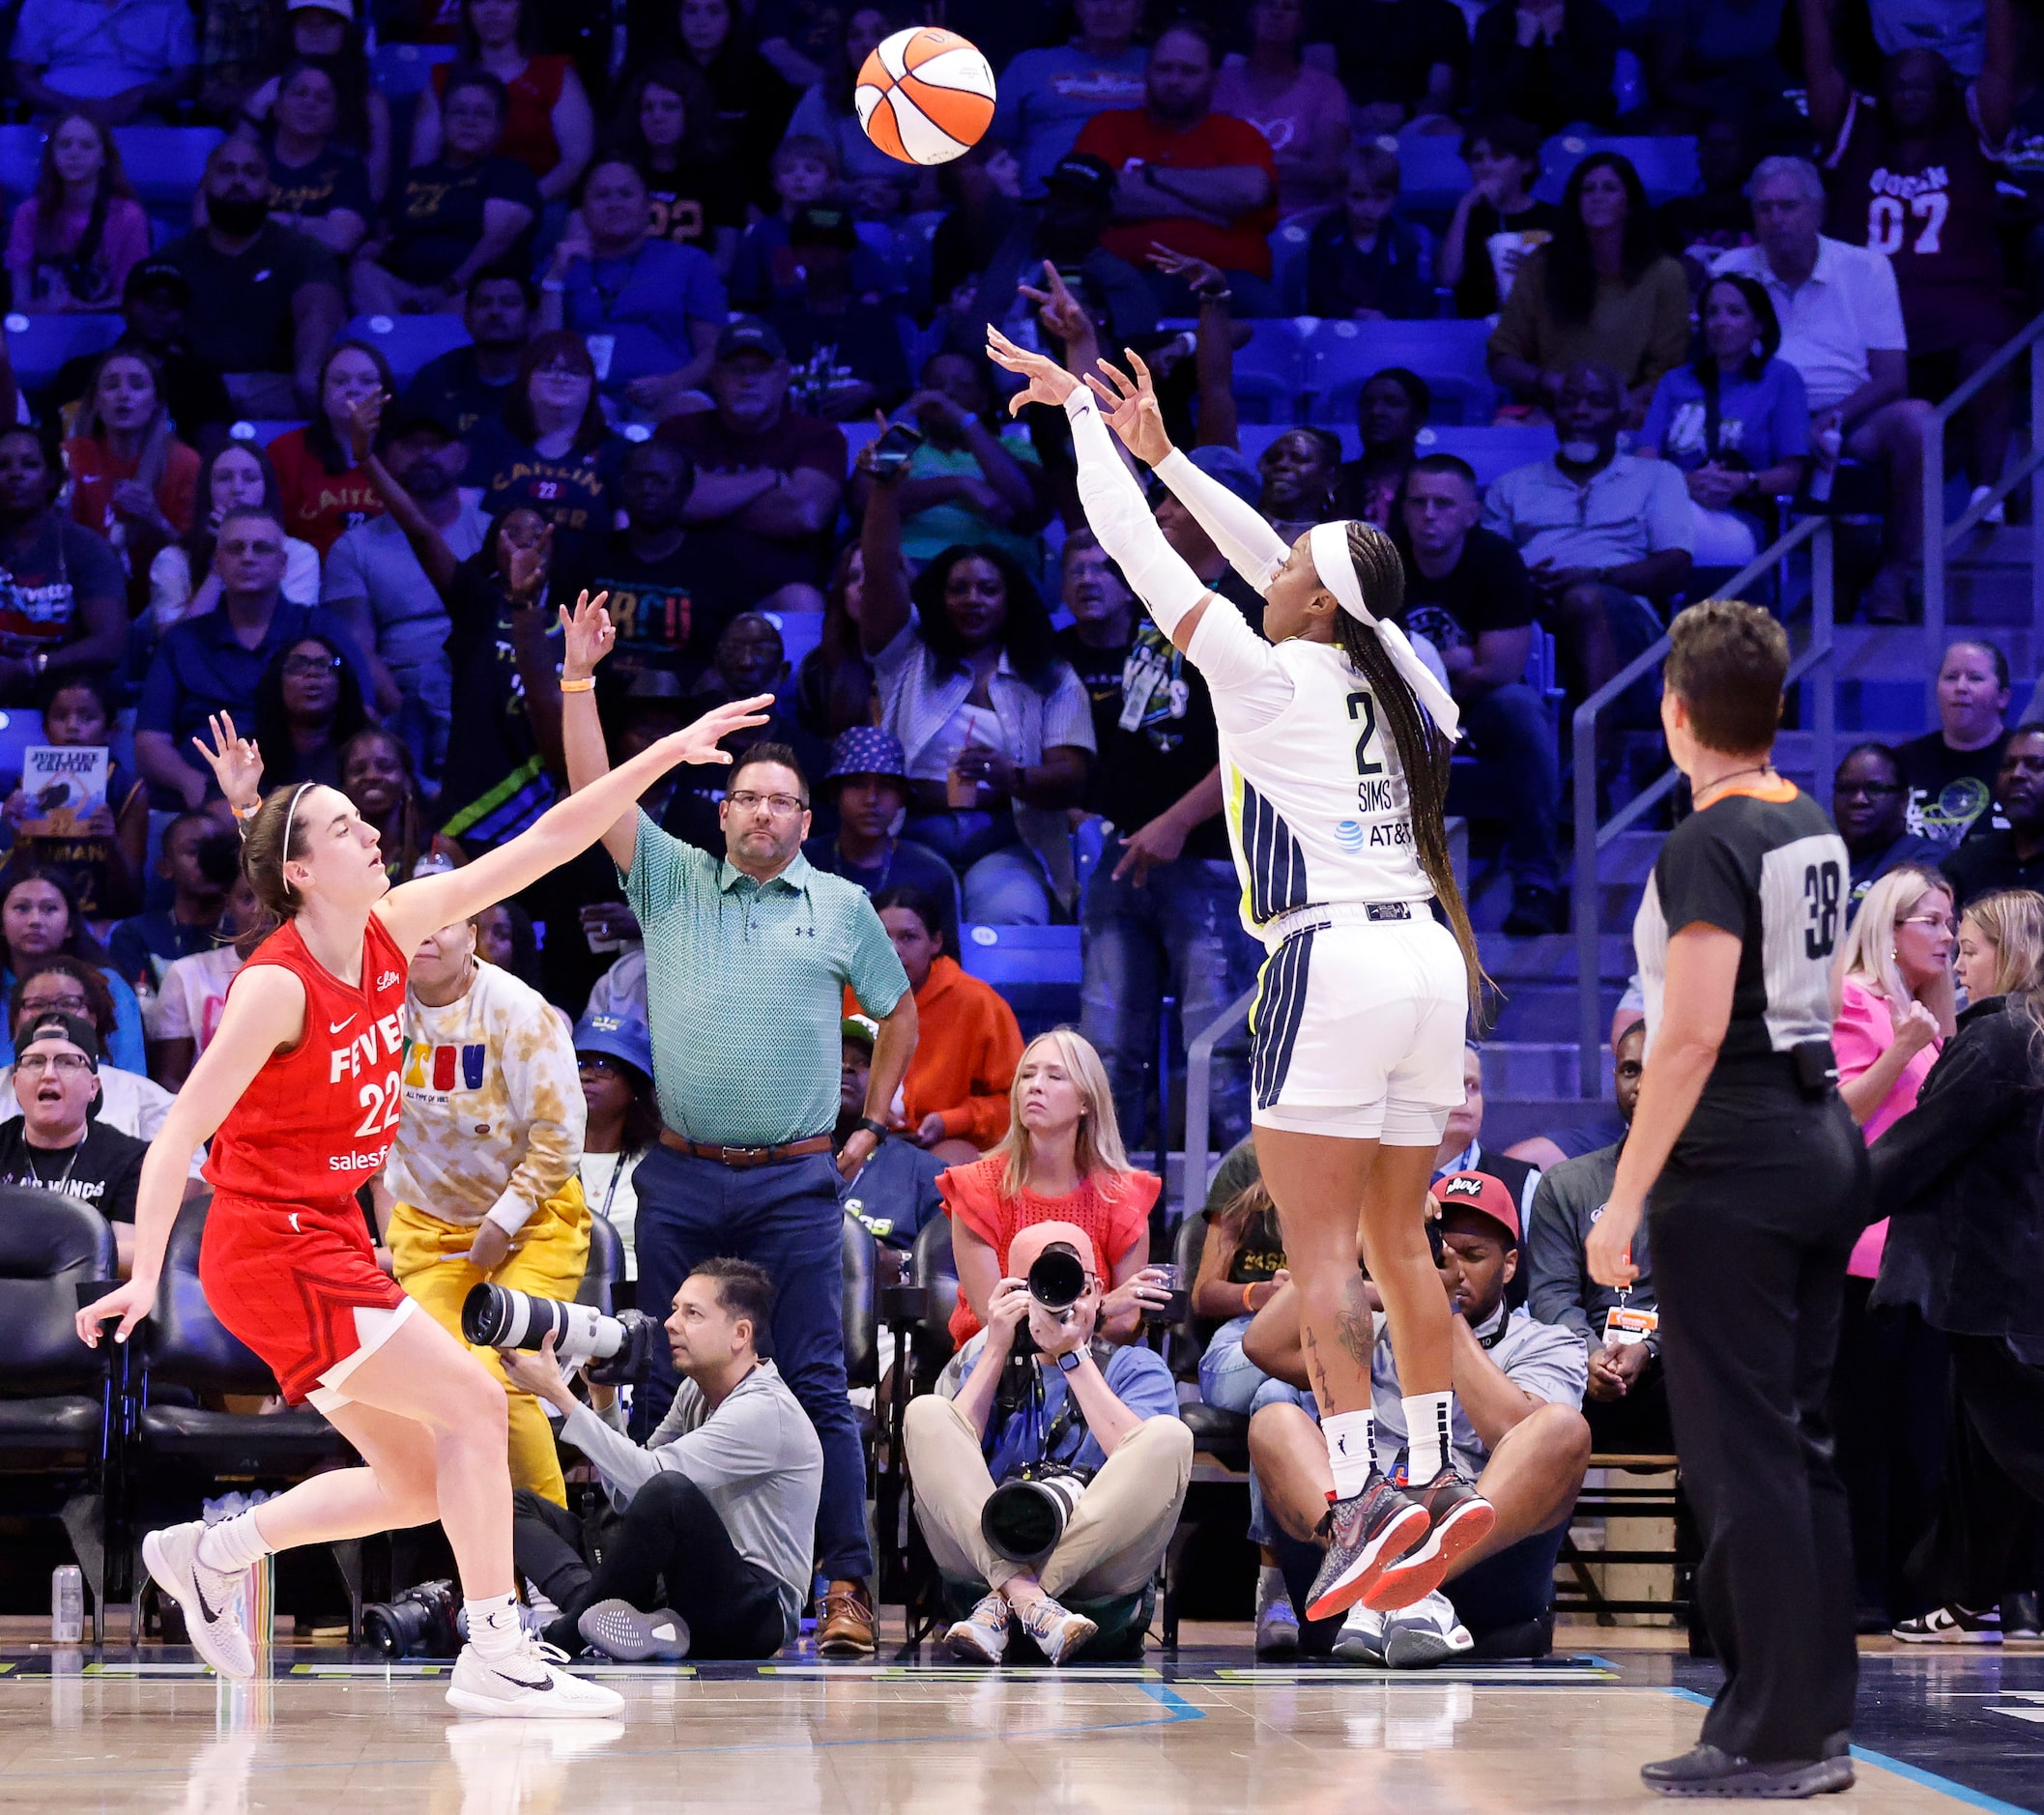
(379, 1100)
(1820, 889)
(1364, 706)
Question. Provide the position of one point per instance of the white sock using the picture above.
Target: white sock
(233, 1546)
(1351, 1451)
(1429, 1417)
(1270, 1586)
(493, 1625)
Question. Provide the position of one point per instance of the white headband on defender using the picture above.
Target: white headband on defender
(1327, 543)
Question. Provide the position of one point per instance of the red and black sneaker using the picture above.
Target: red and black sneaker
(1458, 1516)
(1364, 1533)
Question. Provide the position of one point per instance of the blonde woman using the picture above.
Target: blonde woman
(1060, 1161)
(1959, 1178)
(132, 479)
(1895, 1013)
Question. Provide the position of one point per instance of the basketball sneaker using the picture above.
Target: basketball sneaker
(1360, 1639)
(1952, 1624)
(210, 1602)
(1365, 1534)
(529, 1685)
(1277, 1628)
(1458, 1516)
(622, 1634)
(1423, 1635)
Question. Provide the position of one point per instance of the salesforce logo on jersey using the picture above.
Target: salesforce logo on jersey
(436, 1068)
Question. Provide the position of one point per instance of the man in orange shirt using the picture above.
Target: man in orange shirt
(954, 1100)
(1192, 180)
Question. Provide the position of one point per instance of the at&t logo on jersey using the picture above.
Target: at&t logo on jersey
(1349, 834)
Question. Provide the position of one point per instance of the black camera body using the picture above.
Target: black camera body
(419, 1622)
(1057, 1281)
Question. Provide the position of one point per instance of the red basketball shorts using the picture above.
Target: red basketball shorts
(299, 1284)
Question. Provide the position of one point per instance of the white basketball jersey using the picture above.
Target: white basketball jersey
(1317, 807)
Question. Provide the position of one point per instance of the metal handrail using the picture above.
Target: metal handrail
(1938, 538)
(1199, 1097)
(1591, 838)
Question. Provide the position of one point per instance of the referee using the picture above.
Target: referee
(1759, 1181)
(747, 962)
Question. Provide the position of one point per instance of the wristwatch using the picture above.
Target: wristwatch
(1068, 1361)
(880, 1130)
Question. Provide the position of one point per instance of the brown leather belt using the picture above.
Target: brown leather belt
(743, 1159)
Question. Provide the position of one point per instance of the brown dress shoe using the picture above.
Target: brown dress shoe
(845, 1624)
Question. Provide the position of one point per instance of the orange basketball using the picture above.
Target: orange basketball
(925, 96)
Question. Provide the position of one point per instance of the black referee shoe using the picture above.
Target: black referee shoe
(1707, 1771)
(1365, 1534)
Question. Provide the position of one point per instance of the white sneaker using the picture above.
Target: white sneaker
(210, 1602)
(529, 1685)
(1423, 1635)
(1360, 1639)
(982, 1635)
(1057, 1630)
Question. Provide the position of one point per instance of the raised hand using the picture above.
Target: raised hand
(524, 569)
(1049, 381)
(589, 636)
(697, 742)
(1131, 409)
(237, 764)
(1060, 312)
(1202, 277)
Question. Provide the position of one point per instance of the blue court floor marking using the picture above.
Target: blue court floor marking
(1914, 1773)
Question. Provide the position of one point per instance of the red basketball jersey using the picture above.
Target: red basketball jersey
(317, 1120)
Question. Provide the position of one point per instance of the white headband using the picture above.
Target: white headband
(290, 814)
(1327, 543)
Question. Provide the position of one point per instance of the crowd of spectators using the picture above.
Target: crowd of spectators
(696, 345)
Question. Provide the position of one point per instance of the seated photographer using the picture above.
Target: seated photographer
(1626, 1398)
(894, 1194)
(1034, 1388)
(709, 1552)
(1518, 1433)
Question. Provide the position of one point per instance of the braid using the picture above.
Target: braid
(1423, 752)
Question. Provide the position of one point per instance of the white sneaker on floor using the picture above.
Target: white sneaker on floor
(1423, 1635)
(1360, 1639)
(210, 1602)
(982, 1635)
(528, 1685)
(1057, 1630)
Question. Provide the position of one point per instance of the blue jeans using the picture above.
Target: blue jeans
(1003, 879)
(786, 1220)
(1231, 1382)
(1177, 934)
(1516, 744)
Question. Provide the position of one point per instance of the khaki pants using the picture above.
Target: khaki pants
(548, 1256)
(1116, 1536)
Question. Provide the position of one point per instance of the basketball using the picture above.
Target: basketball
(925, 96)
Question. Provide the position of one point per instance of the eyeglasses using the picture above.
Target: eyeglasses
(312, 667)
(1943, 922)
(66, 1062)
(782, 806)
(70, 1004)
(1873, 791)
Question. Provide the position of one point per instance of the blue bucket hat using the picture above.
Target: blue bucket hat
(618, 1037)
(867, 750)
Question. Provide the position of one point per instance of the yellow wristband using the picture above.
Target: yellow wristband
(579, 686)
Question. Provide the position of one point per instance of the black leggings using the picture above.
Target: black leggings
(669, 1534)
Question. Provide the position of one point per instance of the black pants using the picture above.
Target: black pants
(1637, 1424)
(1983, 1541)
(667, 1549)
(1751, 1224)
(1891, 1408)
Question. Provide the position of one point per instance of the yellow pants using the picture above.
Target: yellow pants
(548, 1256)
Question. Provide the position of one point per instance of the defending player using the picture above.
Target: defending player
(300, 1090)
(1334, 746)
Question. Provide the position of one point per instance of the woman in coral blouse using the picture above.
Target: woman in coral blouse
(1061, 1162)
(955, 1098)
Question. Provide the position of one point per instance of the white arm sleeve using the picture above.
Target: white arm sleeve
(1253, 549)
(1250, 687)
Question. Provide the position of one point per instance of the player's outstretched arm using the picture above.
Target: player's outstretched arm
(265, 1011)
(414, 909)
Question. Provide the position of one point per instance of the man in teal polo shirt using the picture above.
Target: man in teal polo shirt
(747, 960)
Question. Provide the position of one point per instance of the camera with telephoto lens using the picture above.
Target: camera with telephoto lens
(1025, 1517)
(1057, 1281)
(419, 1622)
(619, 1351)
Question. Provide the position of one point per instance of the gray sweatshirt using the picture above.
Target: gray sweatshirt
(756, 1457)
(1565, 1204)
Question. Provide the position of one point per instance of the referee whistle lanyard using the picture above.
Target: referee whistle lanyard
(1327, 543)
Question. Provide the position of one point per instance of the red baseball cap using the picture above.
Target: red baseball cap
(1478, 1191)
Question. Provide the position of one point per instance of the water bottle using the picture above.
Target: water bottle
(66, 1605)
(1830, 441)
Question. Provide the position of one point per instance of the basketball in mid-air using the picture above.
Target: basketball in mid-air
(925, 96)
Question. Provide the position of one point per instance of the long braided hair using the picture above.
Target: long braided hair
(1424, 751)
